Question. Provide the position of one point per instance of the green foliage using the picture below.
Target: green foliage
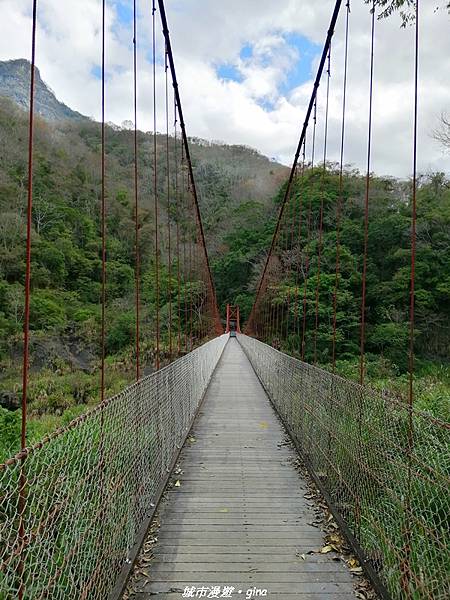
(121, 332)
(10, 428)
(233, 270)
(392, 340)
(240, 193)
(294, 276)
(45, 310)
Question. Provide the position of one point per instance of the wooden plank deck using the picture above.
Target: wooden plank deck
(239, 517)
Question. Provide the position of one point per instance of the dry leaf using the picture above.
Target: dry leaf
(326, 549)
(177, 483)
(336, 539)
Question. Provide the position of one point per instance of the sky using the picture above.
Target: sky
(245, 70)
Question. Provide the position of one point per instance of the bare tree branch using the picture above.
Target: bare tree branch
(442, 134)
(406, 9)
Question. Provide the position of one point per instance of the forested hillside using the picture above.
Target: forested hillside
(240, 193)
(295, 265)
(66, 265)
(388, 267)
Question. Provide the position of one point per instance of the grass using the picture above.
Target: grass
(431, 382)
(54, 400)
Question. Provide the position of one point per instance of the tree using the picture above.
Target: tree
(442, 134)
(406, 8)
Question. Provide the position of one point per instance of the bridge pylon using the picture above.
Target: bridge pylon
(233, 319)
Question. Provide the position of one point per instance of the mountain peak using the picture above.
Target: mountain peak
(15, 84)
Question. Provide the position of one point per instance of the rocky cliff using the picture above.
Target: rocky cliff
(15, 84)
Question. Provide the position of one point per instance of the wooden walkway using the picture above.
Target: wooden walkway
(239, 517)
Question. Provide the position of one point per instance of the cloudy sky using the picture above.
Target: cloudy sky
(245, 69)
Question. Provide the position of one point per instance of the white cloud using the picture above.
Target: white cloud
(206, 34)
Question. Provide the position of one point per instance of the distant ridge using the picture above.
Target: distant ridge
(15, 85)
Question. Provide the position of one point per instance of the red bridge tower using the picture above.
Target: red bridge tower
(233, 323)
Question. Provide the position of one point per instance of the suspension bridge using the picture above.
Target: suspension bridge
(235, 468)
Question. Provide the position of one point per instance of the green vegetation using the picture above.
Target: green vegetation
(66, 257)
(240, 195)
(388, 272)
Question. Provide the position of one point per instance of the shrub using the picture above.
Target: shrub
(121, 332)
(45, 311)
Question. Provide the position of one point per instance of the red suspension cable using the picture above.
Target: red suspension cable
(305, 282)
(190, 273)
(366, 207)
(314, 133)
(406, 563)
(414, 212)
(319, 255)
(299, 238)
(169, 249)
(177, 200)
(341, 191)
(136, 199)
(308, 240)
(155, 189)
(26, 320)
(185, 263)
(290, 244)
(103, 219)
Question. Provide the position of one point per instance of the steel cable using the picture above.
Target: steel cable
(22, 480)
(341, 190)
(136, 198)
(366, 206)
(319, 252)
(155, 188)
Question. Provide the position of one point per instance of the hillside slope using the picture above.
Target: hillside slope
(233, 182)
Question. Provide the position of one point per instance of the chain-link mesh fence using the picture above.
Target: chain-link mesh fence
(71, 506)
(386, 468)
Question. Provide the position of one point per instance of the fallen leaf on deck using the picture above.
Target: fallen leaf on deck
(336, 539)
(356, 570)
(177, 483)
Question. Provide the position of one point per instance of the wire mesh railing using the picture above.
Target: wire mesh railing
(393, 495)
(71, 506)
